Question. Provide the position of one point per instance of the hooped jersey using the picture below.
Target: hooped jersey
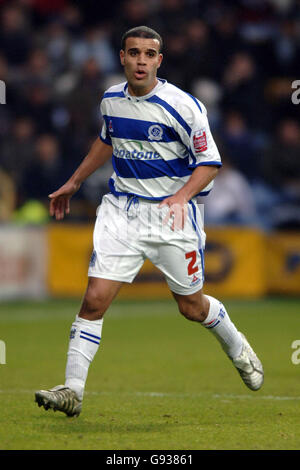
(157, 139)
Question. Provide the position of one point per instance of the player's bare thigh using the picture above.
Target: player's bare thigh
(98, 296)
(194, 307)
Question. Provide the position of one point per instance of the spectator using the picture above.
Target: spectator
(242, 143)
(131, 13)
(46, 171)
(56, 42)
(210, 93)
(15, 37)
(72, 18)
(172, 16)
(227, 38)
(86, 95)
(278, 194)
(17, 150)
(37, 69)
(37, 102)
(281, 162)
(201, 45)
(94, 44)
(286, 48)
(7, 197)
(175, 67)
(242, 89)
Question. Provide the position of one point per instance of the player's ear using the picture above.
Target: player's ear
(160, 58)
(122, 54)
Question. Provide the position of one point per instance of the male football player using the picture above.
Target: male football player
(163, 155)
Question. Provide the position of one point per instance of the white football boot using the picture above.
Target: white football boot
(59, 398)
(249, 366)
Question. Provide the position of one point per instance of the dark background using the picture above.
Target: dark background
(239, 58)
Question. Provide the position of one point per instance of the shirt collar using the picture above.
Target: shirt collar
(158, 86)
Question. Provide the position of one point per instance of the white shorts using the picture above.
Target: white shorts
(129, 230)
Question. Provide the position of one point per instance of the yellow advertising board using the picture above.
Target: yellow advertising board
(235, 262)
(283, 254)
(70, 248)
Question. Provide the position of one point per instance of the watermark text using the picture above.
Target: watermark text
(2, 352)
(296, 93)
(295, 358)
(2, 92)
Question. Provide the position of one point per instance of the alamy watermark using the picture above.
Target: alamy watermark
(2, 92)
(295, 358)
(296, 93)
(2, 352)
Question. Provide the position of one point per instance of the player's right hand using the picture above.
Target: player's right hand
(60, 200)
(177, 214)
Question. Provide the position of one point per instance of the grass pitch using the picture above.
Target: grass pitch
(158, 381)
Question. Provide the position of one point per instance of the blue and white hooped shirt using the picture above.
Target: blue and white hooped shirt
(157, 139)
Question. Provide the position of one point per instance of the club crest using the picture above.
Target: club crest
(155, 132)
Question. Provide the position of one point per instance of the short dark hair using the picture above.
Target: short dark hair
(141, 32)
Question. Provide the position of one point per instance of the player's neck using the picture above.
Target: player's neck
(141, 91)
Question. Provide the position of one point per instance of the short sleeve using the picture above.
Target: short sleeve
(199, 140)
(104, 134)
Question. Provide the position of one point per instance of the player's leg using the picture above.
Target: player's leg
(116, 259)
(86, 331)
(97, 298)
(84, 342)
(212, 314)
(180, 257)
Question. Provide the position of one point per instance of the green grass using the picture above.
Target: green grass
(157, 381)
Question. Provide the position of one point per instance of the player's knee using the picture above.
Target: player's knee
(193, 311)
(94, 305)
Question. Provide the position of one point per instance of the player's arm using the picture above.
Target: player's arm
(204, 159)
(200, 178)
(99, 154)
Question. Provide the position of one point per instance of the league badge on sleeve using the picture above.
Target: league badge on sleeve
(200, 141)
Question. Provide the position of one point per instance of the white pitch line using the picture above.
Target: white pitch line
(220, 396)
(262, 397)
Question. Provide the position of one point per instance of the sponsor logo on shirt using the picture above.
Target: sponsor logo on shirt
(138, 153)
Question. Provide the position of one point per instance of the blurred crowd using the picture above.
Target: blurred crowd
(240, 57)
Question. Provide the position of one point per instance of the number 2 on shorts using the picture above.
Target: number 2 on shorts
(191, 266)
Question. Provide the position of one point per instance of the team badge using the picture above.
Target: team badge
(155, 132)
(73, 332)
(200, 141)
(110, 127)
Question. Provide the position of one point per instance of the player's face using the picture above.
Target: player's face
(141, 59)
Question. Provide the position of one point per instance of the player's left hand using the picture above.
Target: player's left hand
(178, 209)
(60, 199)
